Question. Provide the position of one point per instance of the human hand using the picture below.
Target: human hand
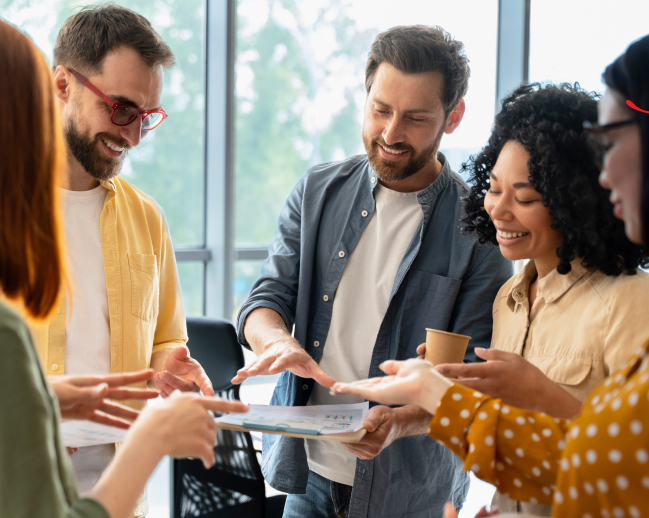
(407, 382)
(181, 425)
(181, 372)
(285, 354)
(87, 397)
(513, 379)
(71, 450)
(380, 423)
(421, 351)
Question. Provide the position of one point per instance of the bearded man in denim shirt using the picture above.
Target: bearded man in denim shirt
(368, 254)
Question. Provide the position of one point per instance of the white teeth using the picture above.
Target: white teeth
(113, 146)
(511, 235)
(393, 151)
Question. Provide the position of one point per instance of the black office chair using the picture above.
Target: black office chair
(234, 486)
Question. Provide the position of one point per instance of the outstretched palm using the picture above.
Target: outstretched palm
(403, 384)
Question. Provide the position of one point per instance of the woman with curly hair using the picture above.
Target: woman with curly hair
(571, 316)
(596, 464)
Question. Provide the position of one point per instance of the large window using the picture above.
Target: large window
(574, 41)
(169, 163)
(299, 91)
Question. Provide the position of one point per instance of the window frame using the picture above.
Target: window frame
(219, 253)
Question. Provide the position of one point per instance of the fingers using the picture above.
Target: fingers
(126, 393)
(71, 451)
(118, 410)
(465, 370)
(449, 511)
(321, 376)
(129, 378)
(175, 382)
(108, 420)
(391, 366)
(205, 385)
(114, 380)
(496, 355)
(421, 349)
(357, 388)
(222, 406)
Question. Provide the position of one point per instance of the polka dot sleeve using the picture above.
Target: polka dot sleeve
(515, 450)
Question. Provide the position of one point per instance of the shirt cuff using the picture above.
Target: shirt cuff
(165, 346)
(450, 424)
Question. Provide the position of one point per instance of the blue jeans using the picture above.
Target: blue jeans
(323, 499)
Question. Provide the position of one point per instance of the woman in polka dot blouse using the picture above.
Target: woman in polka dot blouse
(596, 465)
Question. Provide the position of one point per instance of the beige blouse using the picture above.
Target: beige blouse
(582, 326)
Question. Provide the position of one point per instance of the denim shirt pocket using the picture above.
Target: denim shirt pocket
(429, 302)
(145, 293)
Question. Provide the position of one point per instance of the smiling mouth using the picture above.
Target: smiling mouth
(113, 147)
(393, 151)
(511, 235)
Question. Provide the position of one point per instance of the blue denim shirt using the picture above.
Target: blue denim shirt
(446, 281)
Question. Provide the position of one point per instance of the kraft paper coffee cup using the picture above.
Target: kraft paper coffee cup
(444, 347)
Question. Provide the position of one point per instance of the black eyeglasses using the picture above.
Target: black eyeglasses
(596, 129)
(596, 132)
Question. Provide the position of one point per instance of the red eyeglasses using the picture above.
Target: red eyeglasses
(124, 114)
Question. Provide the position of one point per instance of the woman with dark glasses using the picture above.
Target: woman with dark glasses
(597, 464)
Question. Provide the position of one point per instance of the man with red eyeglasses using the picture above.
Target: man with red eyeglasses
(124, 310)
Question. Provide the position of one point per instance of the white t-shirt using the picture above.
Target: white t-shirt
(360, 303)
(87, 328)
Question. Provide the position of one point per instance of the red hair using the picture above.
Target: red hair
(33, 157)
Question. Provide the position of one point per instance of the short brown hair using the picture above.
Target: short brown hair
(33, 158)
(414, 49)
(86, 38)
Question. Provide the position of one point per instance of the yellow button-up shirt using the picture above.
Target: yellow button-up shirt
(582, 326)
(144, 300)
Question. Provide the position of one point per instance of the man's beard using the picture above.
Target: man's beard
(85, 150)
(388, 171)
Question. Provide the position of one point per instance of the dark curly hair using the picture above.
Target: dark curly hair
(547, 122)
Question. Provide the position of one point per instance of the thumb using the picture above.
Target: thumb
(449, 511)
(180, 353)
(373, 419)
(495, 355)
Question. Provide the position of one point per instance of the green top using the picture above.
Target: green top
(36, 476)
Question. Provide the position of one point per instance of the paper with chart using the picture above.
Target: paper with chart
(323, 419)
(85, 433)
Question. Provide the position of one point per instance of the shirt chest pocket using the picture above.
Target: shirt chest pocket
(429, 302)
(573, 374)
(145, 292)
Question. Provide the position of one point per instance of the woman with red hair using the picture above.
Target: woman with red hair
(36, 477)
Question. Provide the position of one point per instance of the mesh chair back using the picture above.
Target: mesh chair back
(234, 486)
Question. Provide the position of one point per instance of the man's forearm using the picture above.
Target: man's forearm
(412, 420)
(263, 328)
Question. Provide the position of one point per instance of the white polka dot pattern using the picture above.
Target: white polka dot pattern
(596, 466)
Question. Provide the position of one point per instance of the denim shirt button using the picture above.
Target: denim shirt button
(341, 254)
(316, 344)
(305, 387)
(364, 213)
(325, 298)
(373, 179)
